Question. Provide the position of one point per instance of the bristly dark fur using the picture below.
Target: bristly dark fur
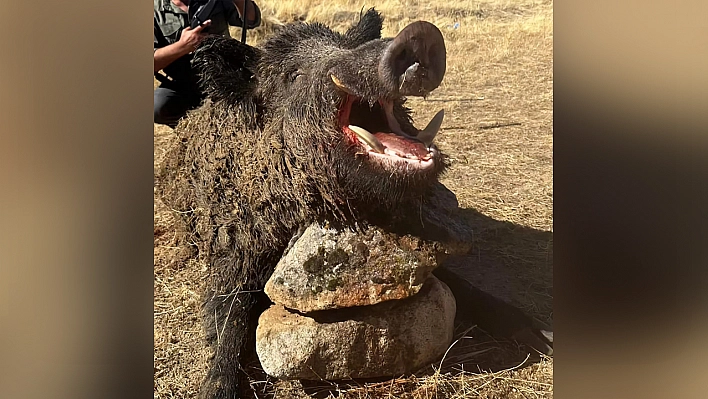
(262, 157)
(368, 29)
(232, 69)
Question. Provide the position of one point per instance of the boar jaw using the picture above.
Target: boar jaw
(375, 132)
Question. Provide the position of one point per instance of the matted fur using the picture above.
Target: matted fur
(263, 157)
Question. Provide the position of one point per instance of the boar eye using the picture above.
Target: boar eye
(294, 75)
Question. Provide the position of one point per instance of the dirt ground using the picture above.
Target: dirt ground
(498, 131)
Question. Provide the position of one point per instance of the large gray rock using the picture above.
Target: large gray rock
(328, 268)
(387, 339)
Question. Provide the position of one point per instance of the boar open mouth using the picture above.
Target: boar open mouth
(378, 134)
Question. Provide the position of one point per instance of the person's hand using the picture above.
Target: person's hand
(190, 38)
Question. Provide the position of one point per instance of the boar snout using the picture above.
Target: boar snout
(415, 60)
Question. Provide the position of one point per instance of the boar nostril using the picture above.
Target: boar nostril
(404, 61)
(415, 60)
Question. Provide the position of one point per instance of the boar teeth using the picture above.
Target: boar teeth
(368, 138)
(428, 134)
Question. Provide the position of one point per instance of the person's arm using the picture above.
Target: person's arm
(188, 41)
(164, 56)
(253, 14)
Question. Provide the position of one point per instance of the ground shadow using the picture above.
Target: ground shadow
(509, 261)
(514, 264)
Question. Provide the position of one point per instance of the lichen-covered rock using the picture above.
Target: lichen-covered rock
(329, 268)
(387, 339)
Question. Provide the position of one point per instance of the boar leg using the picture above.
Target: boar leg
(230, 320)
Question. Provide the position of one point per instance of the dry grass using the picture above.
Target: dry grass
(498, 98)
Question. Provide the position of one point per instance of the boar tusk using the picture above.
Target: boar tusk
(428, 134)
(341, 85)
(368, 138)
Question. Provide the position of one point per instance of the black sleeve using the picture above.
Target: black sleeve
(236, 18)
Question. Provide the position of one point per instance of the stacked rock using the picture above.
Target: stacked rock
(354, 305)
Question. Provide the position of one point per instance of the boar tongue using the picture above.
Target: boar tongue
(402, 146)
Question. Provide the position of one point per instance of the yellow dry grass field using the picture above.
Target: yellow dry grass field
(498, 101)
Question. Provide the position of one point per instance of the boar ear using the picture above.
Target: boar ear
(368, 28)
(226, 68)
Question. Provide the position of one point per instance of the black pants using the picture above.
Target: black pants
(173, 100)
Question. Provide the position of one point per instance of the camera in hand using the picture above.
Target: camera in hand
(218, 11)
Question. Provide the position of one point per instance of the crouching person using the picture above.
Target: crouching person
(175, 41)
